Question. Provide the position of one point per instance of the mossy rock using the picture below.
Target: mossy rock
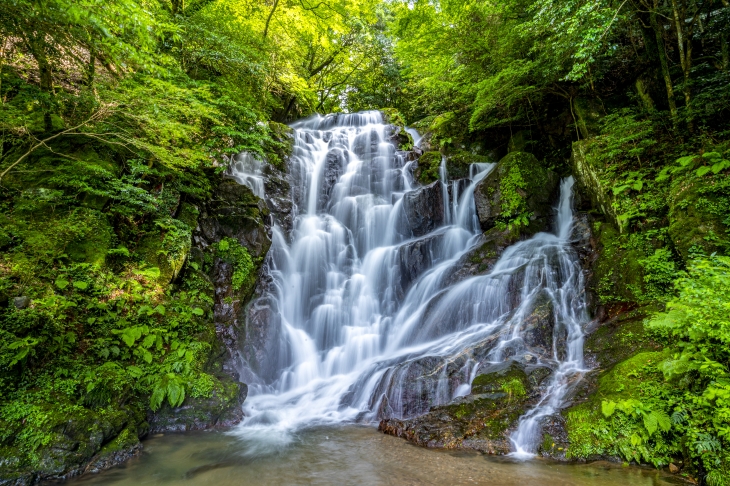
(480, 421)
(589, 113)
(427, 171)
(167, 252)
(96, 242)
(392, 116)
(618, 275)
(592, 436)
(693, 225)
(518, 191)
(221, 409)
(72, 437)
(458, 163)
(588, 175)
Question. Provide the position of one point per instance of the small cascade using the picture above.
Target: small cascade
(368, 323)
(246, 169)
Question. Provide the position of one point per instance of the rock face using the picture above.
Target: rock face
(517, 187)
(480, 421)
(222, 409)
(424, 208)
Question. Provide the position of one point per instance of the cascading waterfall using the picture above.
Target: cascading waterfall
(370, 324)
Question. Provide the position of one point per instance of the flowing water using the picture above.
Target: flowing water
(364, 332)
(347, 455)
(371, 322)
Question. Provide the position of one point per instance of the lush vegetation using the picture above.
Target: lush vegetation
(633, 98)
(117, 119)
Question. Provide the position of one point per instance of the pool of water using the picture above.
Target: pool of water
(348, 455)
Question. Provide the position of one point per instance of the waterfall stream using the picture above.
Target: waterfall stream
(370, 321)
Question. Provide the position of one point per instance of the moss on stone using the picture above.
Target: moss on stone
(518, 192)
(458, 163)
(695, 223)
(427, 171)
(618, 273)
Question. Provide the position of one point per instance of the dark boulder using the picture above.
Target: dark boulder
(481, 421)
(424, 208)
(518, 187)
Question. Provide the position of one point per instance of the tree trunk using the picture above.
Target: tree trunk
(663, 61)
(684, 42)
(45, 75)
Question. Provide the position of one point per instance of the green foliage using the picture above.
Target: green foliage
(232, 252)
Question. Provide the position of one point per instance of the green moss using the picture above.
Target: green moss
(392, 116)
(593, 435)
(427, 171)
(458, 163)
(231, 251)
(618, 274)
(699, 215)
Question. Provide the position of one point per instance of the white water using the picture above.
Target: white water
(357, 343)
(246, 169)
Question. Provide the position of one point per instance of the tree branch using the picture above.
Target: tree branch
(99, 114)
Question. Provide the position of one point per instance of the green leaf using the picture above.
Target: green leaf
(720, 166)
(685, 161)
(149, 340)
(147, 356)
(223, 245)
(135, 371)
(160, 309)
(61, 283)
(128, 339)
(198, 311)
(703, 170)
(81, 285)
(607, 408)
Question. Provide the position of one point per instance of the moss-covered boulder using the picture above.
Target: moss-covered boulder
(65, 440)
(427, 170)
(518, 192)
(695, 222)
(618, 277)
(458, 163)
(588, 175)
(398, 135)
(222, 408)
(481, 421)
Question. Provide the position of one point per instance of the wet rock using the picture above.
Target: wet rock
(427, 170)
(334, 166)
(481, 258)
(235, 212)
(481, 421)
(538, 327)
(519, 185)
(78, 439)
(424, 208)
(222, 409)
(414, 258)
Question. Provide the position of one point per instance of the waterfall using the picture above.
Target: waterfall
(369, 323)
